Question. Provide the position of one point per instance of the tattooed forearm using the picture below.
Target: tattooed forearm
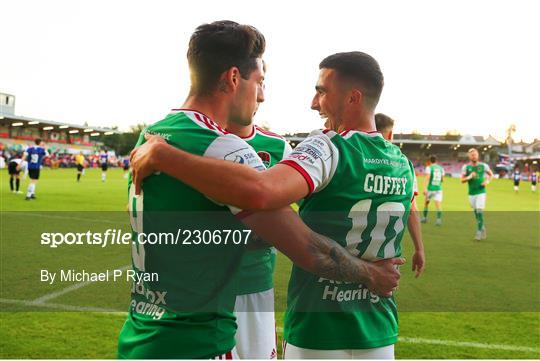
(334, 262)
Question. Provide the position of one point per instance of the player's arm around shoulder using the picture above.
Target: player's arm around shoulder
(226, 180)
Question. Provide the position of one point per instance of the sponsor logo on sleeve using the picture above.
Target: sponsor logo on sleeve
(311, 150)
(245, 156)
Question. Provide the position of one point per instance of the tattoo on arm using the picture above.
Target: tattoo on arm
(335, 262)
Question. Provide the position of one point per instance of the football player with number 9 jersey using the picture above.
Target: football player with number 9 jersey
(34, 156)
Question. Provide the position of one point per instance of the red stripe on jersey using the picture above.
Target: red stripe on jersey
(200, 119)
(345, 132)
(189, 110)
(228, 356)
(243, 214)
(302, 172)
(250, 134)
(216, 125)
(326, 131)
(208, 122)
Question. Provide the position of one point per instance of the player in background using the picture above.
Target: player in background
(385, 126)
(14, 171)
(357, 187)
(79, 161)
(125, 166)
(254, 307)
(516, 176)
(477, 175)
(34, 156)
(104, 163)
(225, 61)
(433, 188)
(534, 176)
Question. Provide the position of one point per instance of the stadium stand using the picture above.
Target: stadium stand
(63, 140)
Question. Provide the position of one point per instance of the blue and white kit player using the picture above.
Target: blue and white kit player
(104, 162)
(34, 156)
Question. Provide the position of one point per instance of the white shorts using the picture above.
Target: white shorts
(292, 352)
(435, 195)
(256, 333)
(478, 201)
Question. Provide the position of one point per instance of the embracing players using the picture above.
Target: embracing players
(477, 175)
(356, 188)
(191, 318)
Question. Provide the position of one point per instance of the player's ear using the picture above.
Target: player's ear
(229, 80)
(355, 96)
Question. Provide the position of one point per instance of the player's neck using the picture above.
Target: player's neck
(212, 107)
(365, 123)
(243, 131)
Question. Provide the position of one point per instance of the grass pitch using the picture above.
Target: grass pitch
(475, 300)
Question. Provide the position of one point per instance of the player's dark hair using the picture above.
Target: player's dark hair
(383, 122)
(433, 159)
(360, 68)
(218, 46)
(37, 141)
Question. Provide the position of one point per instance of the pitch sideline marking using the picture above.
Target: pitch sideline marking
(61, 306)
(468, 344)
(71, 288)
(61, 217)
(458, 343)
(280, 329)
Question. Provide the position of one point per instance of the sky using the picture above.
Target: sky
(467, 66)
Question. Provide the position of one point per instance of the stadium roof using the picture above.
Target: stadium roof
(424, 139)
(5, 118)
(445, 140)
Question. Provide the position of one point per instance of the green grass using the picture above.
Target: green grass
(481, 293)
